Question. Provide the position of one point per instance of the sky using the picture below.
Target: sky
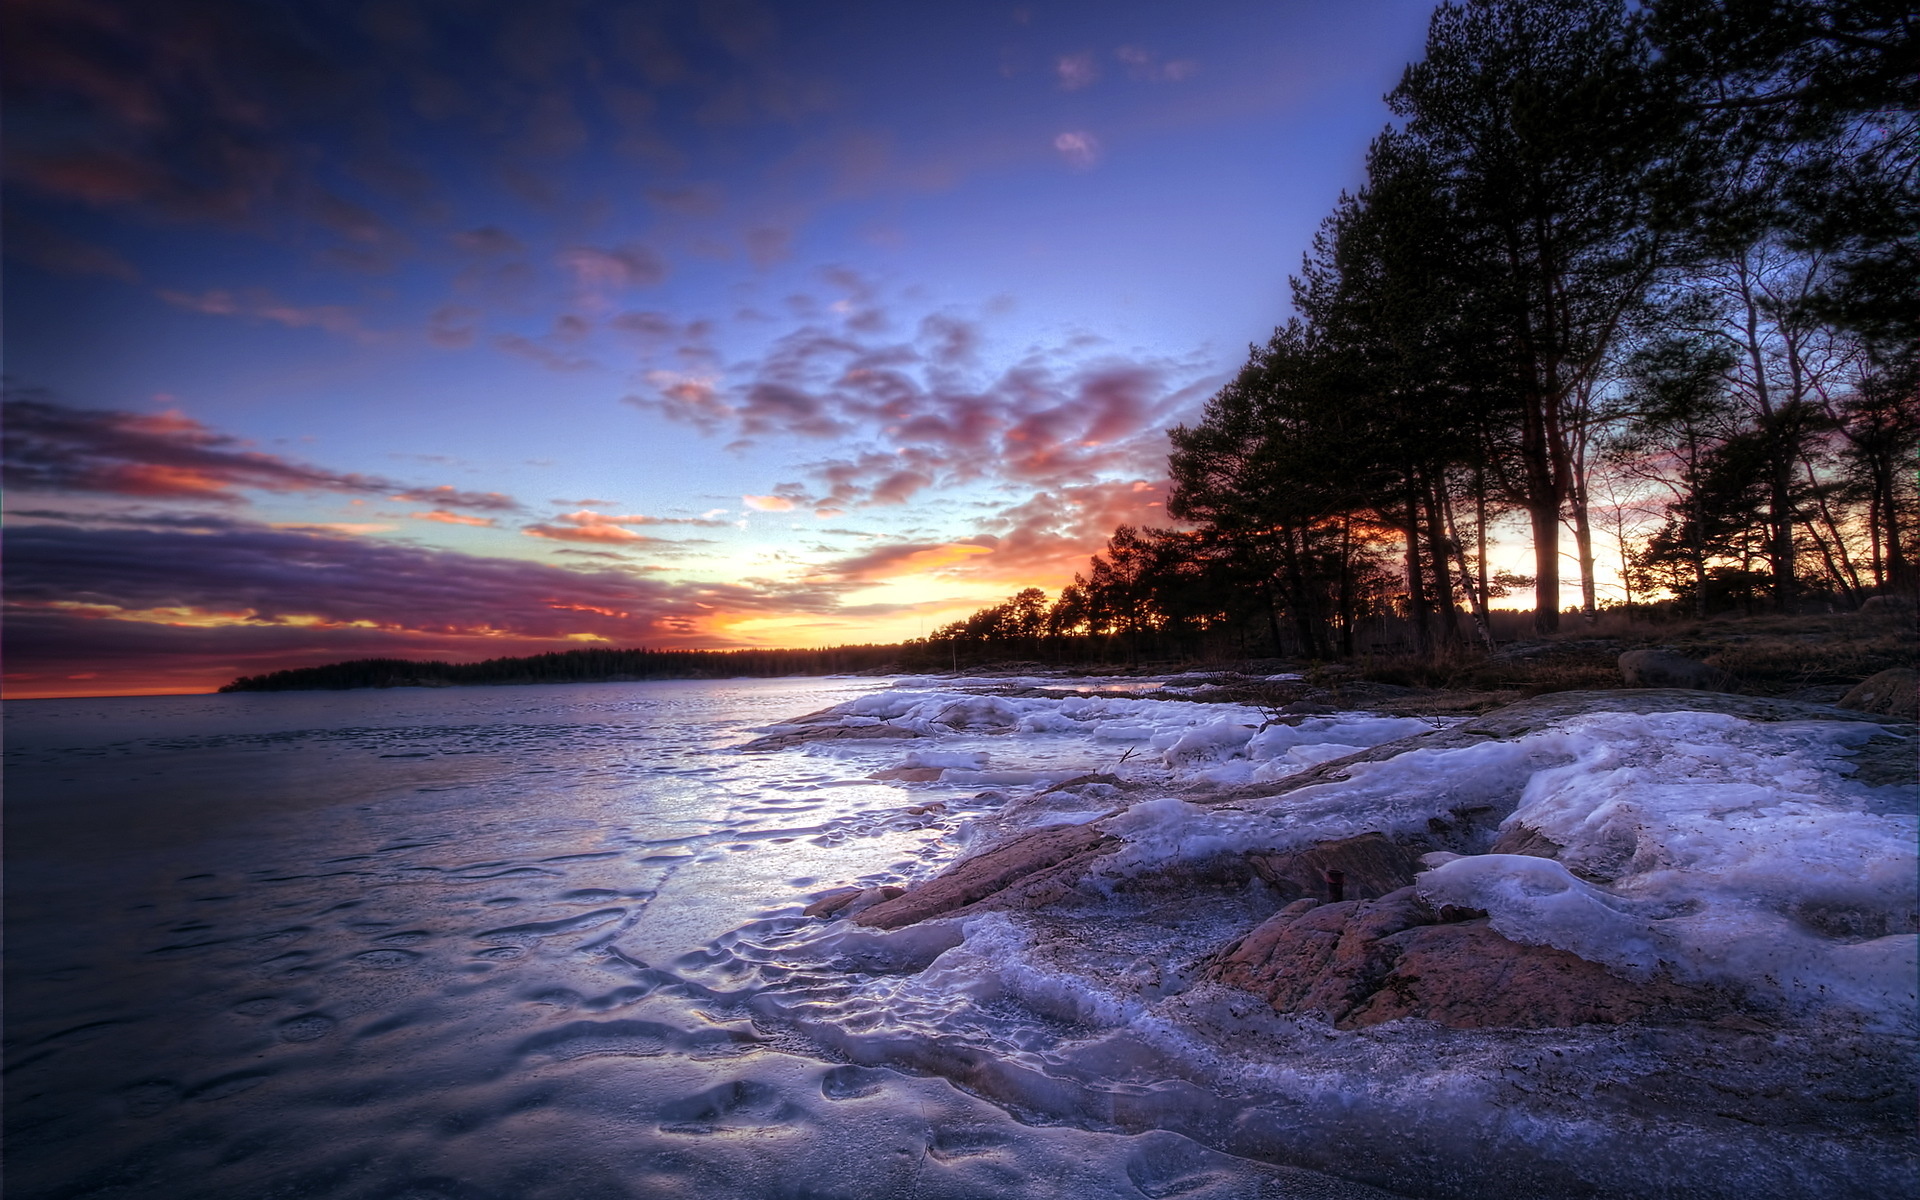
(462, 329)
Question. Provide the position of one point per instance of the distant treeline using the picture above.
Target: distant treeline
(573, 666)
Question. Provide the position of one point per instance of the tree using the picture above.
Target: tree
(1562, 159)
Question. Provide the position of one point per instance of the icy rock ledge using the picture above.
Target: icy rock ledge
(1602, 857)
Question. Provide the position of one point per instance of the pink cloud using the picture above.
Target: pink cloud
(258, 305)
(1076, 71)
(616, 269)
(1080, 149)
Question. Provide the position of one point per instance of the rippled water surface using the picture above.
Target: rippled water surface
(507, 942)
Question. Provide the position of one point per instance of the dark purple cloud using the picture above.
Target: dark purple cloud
(487, 240)
(921, 413)
(448, 496)
(51, 447)
(613, 269)
(237, 575)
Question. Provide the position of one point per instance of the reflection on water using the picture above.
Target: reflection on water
(511, 942)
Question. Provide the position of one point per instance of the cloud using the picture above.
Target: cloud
(767, 245)
(444, 517)
(452, 326)
(1052, 532)
(194, 608)
(1143, 65)
(589, 526)
(51, 250)
(546, 356)
(592, 533)
(488, 240)
(922, 413)
(448, 496)
(616, 269)
(1080, 149)
(768, 503)
(1076, 71)
(51, 447)
(906, 558)
(256, 304)
(689, 200)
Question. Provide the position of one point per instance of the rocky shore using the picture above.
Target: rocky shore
(1705, 902)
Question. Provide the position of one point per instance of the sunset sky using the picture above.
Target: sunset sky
(467, 329)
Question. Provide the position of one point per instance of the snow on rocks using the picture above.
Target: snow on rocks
(1702, 842)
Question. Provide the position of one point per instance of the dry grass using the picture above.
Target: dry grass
(1766, 656)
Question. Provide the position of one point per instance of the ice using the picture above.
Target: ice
(1725, 850)
(1396, 796)
(965, 759)
(1344, 729)
(1207, 743)
(1216, 743)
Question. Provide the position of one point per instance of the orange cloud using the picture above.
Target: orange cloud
(451, 518)
(767, 503)
(904, 559)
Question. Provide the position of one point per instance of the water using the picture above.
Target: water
(520, 942)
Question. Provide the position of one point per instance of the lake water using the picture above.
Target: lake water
(517, 943)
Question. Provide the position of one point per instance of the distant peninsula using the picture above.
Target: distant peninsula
(572, 666)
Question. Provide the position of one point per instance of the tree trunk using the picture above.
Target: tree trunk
(1545, 519)
(1416, 589)
(1476, 597)
(1437, 563)
(1346, 586)
(1583, 546)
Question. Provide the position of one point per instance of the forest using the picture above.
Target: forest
(1640, 280)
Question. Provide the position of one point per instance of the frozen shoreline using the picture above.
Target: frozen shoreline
(1743, 904)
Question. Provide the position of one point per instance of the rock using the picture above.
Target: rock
(1046, 865)
(1324, 960)
(1024, 872)
(828, 733)
(1356, 868)
(851, 900)
(1067, 785)
(909, 774)
(1665, 669)
(1887, 605)
(1361, 963)
(1524, 839)
(1467, 976)
(832, 902)
(1894, 691)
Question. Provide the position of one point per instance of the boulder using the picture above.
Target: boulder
(1360, 963)
(1327, 959)
(1887, 605)
(1027, 871)
(1894, 692)
(1466, 976)
(1665, 669)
